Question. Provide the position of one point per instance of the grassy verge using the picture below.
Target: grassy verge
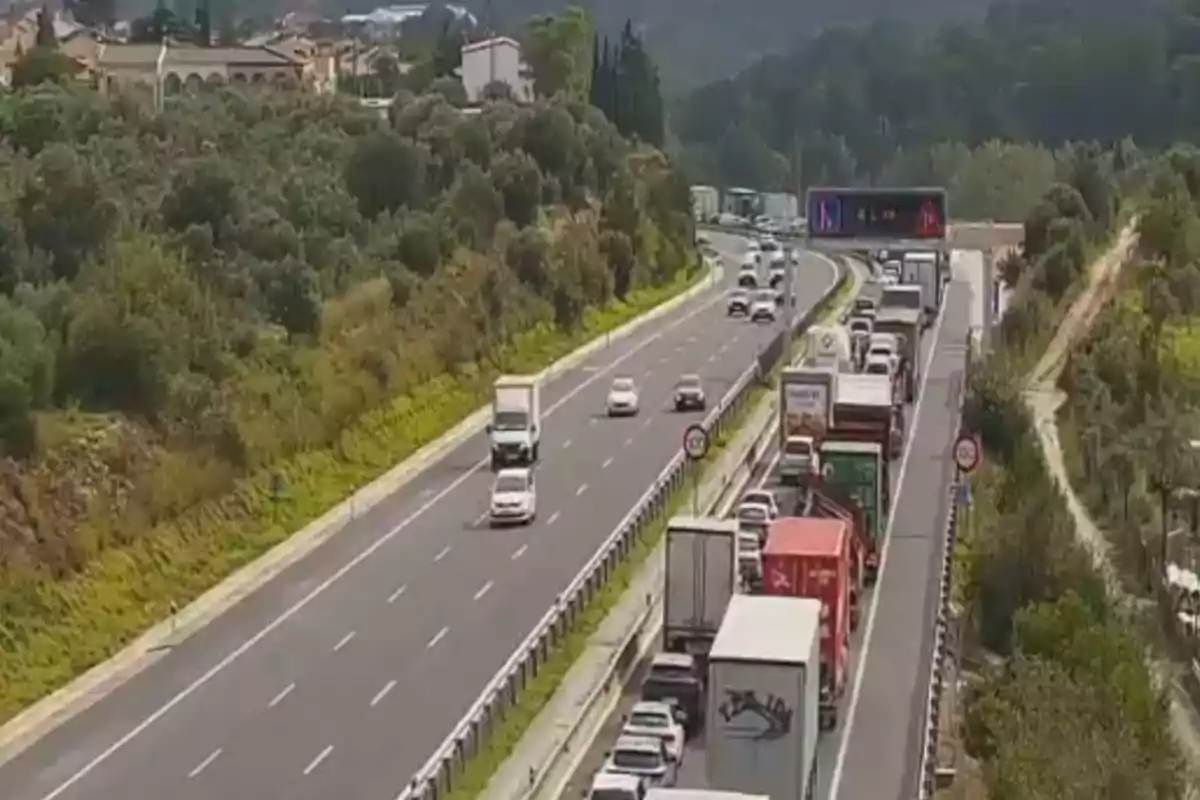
(54, 630)
(478, 771)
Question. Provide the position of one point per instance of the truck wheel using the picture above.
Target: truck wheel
(535, 451)
(495, 462)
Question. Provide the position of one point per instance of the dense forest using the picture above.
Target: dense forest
(217, 321)
(699, 42)
(1061, 701)
(890, 103)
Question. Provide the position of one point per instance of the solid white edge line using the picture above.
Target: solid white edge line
(864, 655)
(362, 556)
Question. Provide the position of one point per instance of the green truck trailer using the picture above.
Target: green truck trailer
(859, 471)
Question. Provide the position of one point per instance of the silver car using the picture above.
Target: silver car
(622, 398)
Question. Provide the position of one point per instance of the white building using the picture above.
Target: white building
(497, 59)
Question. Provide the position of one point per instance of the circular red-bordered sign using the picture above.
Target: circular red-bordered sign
(695, 442)
(967, 453)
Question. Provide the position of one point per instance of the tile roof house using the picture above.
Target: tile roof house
(178, 66)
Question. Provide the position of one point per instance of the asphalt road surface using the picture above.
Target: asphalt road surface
(341, 677)
(873, 753)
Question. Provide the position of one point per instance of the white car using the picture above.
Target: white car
(614, 786)
(654, 718)
(644, 756)
(738, 303)
(514, 497)
(799, 457)
(754, 517)
(879, 364)
(622, 398)
(762, 497)
(749, 556)
(764, 307)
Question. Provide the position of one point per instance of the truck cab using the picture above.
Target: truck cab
(908, 297)
(514, 432)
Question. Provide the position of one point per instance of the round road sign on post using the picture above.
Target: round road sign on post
(967, 453)
(695, 442)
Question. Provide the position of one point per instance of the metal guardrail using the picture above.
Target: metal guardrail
(944, 644)
(719, 500)
(437, 778)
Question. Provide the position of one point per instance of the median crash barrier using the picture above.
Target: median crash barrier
(545, 774)
(964, 235)
(943, 666)
(438, 776)
(718, 497)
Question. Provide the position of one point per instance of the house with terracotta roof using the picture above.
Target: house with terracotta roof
(175, 66)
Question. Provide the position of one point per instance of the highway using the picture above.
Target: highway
(342, 675)
(873, 753)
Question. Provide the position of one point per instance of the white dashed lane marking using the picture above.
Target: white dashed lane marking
(277, 699)
(316, 762)
(203, 765)
(382, 693)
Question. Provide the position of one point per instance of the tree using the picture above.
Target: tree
(64, 211)
(96, 13)
(45, 29)
(43, 65)
(387, 172)
(520, 183)
(559, 51)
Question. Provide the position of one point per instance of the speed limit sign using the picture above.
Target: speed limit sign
(967, 453)
(695, 442)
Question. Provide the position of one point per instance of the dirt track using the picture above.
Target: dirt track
(1043, 399)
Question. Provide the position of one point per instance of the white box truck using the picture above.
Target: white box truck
(706, 203)
(764, 698)
(515, 429)
(921, 269)
(701, 576)
(780, 206)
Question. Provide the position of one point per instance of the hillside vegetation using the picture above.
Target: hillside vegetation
(960, 107)
(1133, 394)
(217, 322)
(1065, 706)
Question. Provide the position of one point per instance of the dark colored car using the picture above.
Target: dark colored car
(689, 394)
(675, 677)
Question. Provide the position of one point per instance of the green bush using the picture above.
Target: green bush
(53, 630)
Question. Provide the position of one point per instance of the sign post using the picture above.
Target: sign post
(967, 453)
(695, 447)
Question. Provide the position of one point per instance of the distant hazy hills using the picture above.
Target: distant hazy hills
(696, 41)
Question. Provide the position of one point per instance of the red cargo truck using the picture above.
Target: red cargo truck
(811, 557)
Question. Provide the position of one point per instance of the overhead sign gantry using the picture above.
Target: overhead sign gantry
(841, 219)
